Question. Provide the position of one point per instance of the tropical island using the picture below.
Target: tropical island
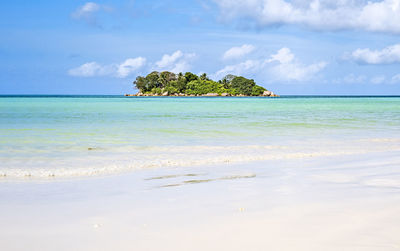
(189, 84)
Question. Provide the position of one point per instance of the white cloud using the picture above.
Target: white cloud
(167, 60)
(238, 52)
(297, 71)
(129, 66)
(86, 10)
(290, 69)
(246, 67)
(87, 70)
(176, 62)
(380, 16)
(388, 55)
(282, 66)
(93, 69)
(89, 13)
(283, 56)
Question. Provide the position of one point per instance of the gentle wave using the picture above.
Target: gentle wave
(177, 160)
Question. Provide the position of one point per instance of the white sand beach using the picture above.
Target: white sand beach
(316, 203)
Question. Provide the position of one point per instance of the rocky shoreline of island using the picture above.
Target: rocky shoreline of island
(167, 83)
(166, 94)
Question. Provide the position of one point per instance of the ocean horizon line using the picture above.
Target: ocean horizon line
(158, 97)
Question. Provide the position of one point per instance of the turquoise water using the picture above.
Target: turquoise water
(100, 133)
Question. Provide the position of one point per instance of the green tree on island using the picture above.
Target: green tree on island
(168, 83)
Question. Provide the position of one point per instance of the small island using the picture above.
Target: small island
(190, 85)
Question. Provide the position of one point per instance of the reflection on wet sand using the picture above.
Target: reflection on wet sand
(197, 181)
(173, 176)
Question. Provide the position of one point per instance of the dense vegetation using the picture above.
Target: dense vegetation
(168, 83)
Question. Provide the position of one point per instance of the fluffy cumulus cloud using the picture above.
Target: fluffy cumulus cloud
(288, 68)
(388, 55)
(176, 62)
(282, 66)
(238, 52)
(130, 66)
(122, 70)
(283, 56)
(380, 15)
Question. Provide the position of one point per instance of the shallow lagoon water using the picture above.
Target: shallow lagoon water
(91, 135)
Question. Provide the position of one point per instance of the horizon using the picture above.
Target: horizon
(280, 96)
(99, 47)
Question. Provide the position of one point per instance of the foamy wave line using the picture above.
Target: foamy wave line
(145, 149)
(51, 173)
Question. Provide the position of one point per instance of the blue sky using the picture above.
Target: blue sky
(290, 47)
